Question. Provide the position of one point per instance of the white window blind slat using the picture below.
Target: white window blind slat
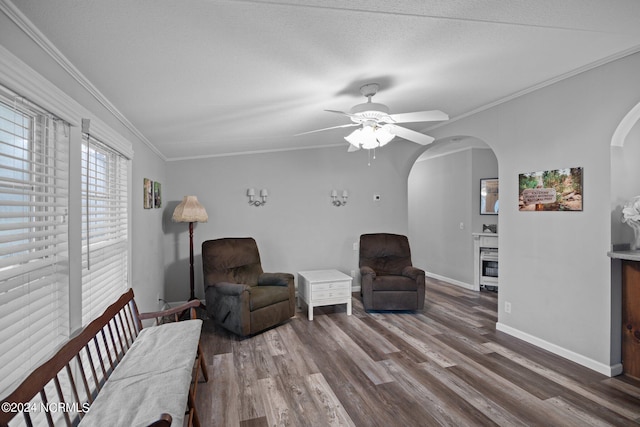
(17, 262)
(33, 238)
(47, 277)
(33, 266)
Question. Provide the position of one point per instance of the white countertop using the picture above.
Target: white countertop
(317, 276)
(626, 255)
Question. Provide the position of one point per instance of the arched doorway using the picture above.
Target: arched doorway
(444, 206)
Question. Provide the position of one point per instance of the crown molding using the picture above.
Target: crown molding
(611, 58)
(26, 26)
(246, 153)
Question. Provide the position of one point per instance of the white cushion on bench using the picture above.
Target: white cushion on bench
(153, 378)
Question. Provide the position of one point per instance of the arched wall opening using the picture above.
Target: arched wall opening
(625, 173)
(625, 184)
(444, 206)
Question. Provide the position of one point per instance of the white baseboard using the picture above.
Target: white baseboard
(608, 370)
(449, 280)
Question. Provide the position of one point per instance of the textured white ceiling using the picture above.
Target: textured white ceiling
(211, 77)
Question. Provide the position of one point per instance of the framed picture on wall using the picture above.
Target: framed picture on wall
(147, 196)
(489, 196)
(157, 194)
(551, 190)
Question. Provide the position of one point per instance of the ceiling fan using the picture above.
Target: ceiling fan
(378, 127)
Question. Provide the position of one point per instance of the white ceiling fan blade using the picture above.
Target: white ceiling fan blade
(339, 112)
(411, 135)
(352, 148)
(419, 116)
(333, 127)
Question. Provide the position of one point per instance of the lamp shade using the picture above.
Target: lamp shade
(190, 210)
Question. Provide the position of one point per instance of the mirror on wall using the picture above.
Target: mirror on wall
(489, 200)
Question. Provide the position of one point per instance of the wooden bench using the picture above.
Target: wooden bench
(116, 373)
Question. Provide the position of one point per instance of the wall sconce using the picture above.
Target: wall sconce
(251, 193)
(334, 198)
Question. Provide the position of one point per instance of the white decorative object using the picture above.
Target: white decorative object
(631, 217)
(324, 287)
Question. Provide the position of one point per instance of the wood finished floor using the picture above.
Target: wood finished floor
(446, 365)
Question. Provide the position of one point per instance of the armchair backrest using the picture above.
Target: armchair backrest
(385, 253)
(234, 260)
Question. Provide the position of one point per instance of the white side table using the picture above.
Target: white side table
(324, 287)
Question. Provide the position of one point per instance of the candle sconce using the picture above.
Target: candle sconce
(251, 193)
(336, 201)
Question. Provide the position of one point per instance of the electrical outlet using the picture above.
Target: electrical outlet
(355, 246)
(462, 226)
(353, 273)
(507, 307)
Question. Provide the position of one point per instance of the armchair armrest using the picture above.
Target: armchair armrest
(230, 289)
(412, 272)
(172, 311)
(275, 279)
(367, 271)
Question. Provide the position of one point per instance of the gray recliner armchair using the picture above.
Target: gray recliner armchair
(388, 279)
(240, 296)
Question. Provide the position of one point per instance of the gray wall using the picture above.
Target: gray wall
(298, 229)
(444, 192)
(554, 268)
(147, 251)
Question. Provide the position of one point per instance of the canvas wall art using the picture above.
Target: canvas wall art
(551, 190)
(147, 197)
(157, 195)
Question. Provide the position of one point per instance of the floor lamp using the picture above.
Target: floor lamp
(190, 210)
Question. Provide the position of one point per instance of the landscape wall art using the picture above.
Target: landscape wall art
(552, 190)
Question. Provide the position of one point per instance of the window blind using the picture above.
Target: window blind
(34, 279)
(104, 227)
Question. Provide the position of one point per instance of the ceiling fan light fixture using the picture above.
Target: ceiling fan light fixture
(371, 109)
(368, 138)
(384, 135)
(376, 127)
(354, 138)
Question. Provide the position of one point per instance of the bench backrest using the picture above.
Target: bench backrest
(62, 388)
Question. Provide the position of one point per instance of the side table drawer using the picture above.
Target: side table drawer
(330, 293)
(330, 285)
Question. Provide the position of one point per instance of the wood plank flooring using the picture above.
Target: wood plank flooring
(446, 365)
